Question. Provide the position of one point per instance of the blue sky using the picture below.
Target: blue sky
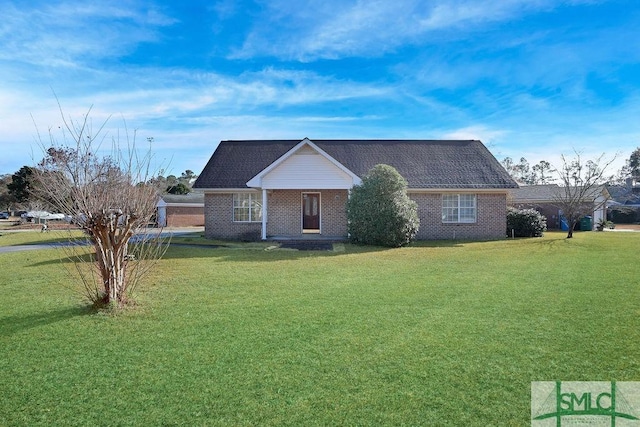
(532, 78)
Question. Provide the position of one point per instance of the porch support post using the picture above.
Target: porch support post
(348, 198)
(264, 214)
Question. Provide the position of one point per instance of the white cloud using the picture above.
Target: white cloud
(336, 29)
(442, 69)
(183, 110)
(478, 132)
(69, 33)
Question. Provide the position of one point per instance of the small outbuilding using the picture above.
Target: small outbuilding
(544, 199)
(180, 210)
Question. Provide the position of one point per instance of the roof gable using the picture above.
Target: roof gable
(305, 166)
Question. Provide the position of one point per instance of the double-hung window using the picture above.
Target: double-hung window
(247, 207)
(459, 208)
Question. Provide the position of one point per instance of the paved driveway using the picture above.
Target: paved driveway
(22, 248)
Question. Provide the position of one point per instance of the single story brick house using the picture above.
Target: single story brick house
(271, 189)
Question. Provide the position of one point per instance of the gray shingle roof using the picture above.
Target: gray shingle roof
(184, 198)
(535, 193)
(423, 163)
(623, 194)
(550, 193)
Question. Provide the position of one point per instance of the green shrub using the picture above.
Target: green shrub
(624, 214)
(179, 188)
(379, 212)
(603, 223)
(525, 223)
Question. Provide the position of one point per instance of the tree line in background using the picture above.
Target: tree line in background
(17, 190)
(525, 174)
(172, 184)
(578, 181)
(544, 172)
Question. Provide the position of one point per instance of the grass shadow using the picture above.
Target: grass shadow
(244, 251)
(442, 243)
(13, 324)
(87, 257)
(548, 241)
(239, 252)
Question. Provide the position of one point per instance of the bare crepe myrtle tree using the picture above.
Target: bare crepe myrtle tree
(580, 184)
(107, 197)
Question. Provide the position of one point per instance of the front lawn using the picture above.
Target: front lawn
(443, 333)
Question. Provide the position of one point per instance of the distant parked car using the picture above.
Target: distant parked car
(4, 215)
(42, 215)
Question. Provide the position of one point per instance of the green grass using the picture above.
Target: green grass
(444, 333)
(14, 238)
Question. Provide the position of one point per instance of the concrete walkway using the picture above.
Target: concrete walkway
(307, 245)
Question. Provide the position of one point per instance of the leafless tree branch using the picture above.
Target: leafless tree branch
(108, 198)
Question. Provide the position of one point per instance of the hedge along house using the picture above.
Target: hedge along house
(272, 189)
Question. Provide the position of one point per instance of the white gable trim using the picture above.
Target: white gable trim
(256, 181)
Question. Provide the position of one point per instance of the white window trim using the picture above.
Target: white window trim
(458, 220)
(253, 198)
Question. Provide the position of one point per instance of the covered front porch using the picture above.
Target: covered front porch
(304, 193)
(308, 214)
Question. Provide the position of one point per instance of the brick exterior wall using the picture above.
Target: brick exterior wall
(218, 213)
(334, 212)
(285, 212)
(285, 216)
(181, 216)
(491, 220)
